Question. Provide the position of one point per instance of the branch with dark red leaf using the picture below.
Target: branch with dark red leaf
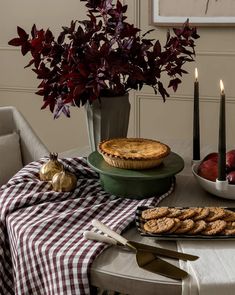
(103, 55)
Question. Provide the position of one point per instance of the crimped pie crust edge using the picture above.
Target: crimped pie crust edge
(160, 156)
(137, 163)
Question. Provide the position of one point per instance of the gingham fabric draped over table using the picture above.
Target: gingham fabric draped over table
(42, 249)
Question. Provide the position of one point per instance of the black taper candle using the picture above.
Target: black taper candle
(196, 122)
(222, 137)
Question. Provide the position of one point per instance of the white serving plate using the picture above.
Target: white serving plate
(226, 191)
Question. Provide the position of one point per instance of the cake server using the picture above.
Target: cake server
(90, 235)
(145, 259)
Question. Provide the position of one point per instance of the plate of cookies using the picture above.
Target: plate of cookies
(186, 223)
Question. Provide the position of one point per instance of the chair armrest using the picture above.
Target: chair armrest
(32, 148)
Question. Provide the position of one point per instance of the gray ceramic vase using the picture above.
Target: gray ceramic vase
(108, 118)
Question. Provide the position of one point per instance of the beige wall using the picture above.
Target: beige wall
(150, 116)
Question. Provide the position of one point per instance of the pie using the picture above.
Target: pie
(133, 153)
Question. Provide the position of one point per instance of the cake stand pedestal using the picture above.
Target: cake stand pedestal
(136, 184)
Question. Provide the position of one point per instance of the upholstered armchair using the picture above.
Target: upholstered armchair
(19, 145)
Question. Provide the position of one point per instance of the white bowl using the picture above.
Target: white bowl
(226, 191)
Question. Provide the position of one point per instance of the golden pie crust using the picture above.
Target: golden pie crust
(133, 153)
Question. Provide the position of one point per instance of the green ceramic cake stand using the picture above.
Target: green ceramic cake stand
(136, 184)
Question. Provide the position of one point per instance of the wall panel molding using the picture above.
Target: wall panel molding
(17, 89)
(138, 98)
(134, 9)
(182, 98)
(215, 53)
(9, 48)
(137, 15)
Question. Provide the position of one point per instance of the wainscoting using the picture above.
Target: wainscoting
(150, 117)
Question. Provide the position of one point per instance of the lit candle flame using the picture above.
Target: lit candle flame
(196, 74)
(221, 86)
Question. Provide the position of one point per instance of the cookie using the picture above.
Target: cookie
(185, 226)
(176, 226)
(229, 216)
(201, 213)
(154, 213)
(229, 229)
(174, 212)
(159, 225)
(186, 213)
(199, 226)
(214, 227)
(215, 214)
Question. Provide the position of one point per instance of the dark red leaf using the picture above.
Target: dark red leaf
(149, 31)
(33, 31)
(178, 32)
(78, 90)
(22, 34)
(40, 92)
(49, 36)
(162, 91)
(30, 63)
(25, 48)
(174, 83)
(61, 37)
(157, 48)
(124, 8)
(119, 6)
(15, 42)
(46, 103)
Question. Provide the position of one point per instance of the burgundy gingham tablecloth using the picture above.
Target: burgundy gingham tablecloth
(42, 249)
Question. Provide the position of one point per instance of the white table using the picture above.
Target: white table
(116, 269)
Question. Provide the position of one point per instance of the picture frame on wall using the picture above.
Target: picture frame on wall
(199, 12)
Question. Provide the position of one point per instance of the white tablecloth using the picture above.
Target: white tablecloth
(214, 272)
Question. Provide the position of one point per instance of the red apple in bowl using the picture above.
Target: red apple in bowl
(208, 168)
(231, 177)
(230, 160)
(212, 156)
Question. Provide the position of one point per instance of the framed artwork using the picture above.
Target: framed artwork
(199, 12)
